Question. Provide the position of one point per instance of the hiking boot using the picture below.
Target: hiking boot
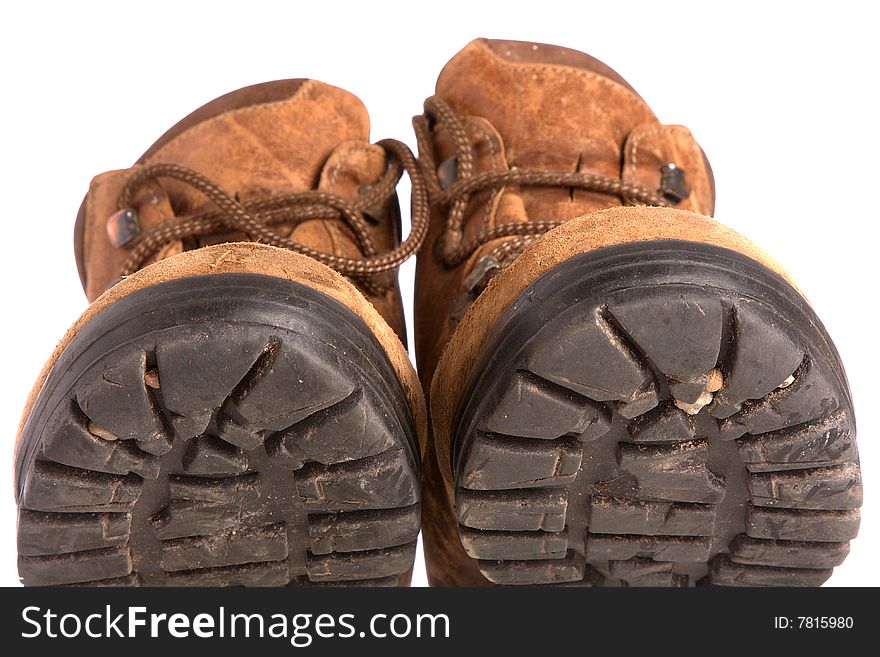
(623, 392)
(228, 412)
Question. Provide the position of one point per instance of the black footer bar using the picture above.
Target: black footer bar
(435, 621)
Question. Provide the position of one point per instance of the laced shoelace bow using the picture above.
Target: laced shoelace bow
(451, 248)
(255, 217)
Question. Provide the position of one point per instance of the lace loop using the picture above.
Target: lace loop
(256, 217)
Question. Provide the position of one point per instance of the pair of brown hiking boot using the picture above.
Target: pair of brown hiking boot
(620, 391)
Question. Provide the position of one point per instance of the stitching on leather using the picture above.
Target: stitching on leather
(494, 154)
(489, 137)
(631, 170)
(634, 147)
(473, 124)
(101, 180)
(334, 232)
(490, 209)
(352, 149)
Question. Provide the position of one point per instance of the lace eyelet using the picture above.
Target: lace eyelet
(123, 227)
(672, 183)
(447, 172)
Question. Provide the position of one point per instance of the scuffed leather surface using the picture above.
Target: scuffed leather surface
(270, 140)
(547, 108)
(651, 146)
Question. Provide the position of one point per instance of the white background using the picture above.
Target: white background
(782, 97)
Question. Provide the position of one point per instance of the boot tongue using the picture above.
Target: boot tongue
(266, 149)
(553, 112)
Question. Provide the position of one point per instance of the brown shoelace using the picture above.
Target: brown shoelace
(255, 217)
(451, 248)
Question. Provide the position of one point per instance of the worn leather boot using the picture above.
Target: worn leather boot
(622, 390)
(238, 409)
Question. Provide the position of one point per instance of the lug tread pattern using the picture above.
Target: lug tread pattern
(223, 454)
(755, 484)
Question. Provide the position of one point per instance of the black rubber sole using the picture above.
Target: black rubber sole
(574, 463)
(233, 429)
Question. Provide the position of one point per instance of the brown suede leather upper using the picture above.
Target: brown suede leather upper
(537, 107)
(281, 137)
(541, 107)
